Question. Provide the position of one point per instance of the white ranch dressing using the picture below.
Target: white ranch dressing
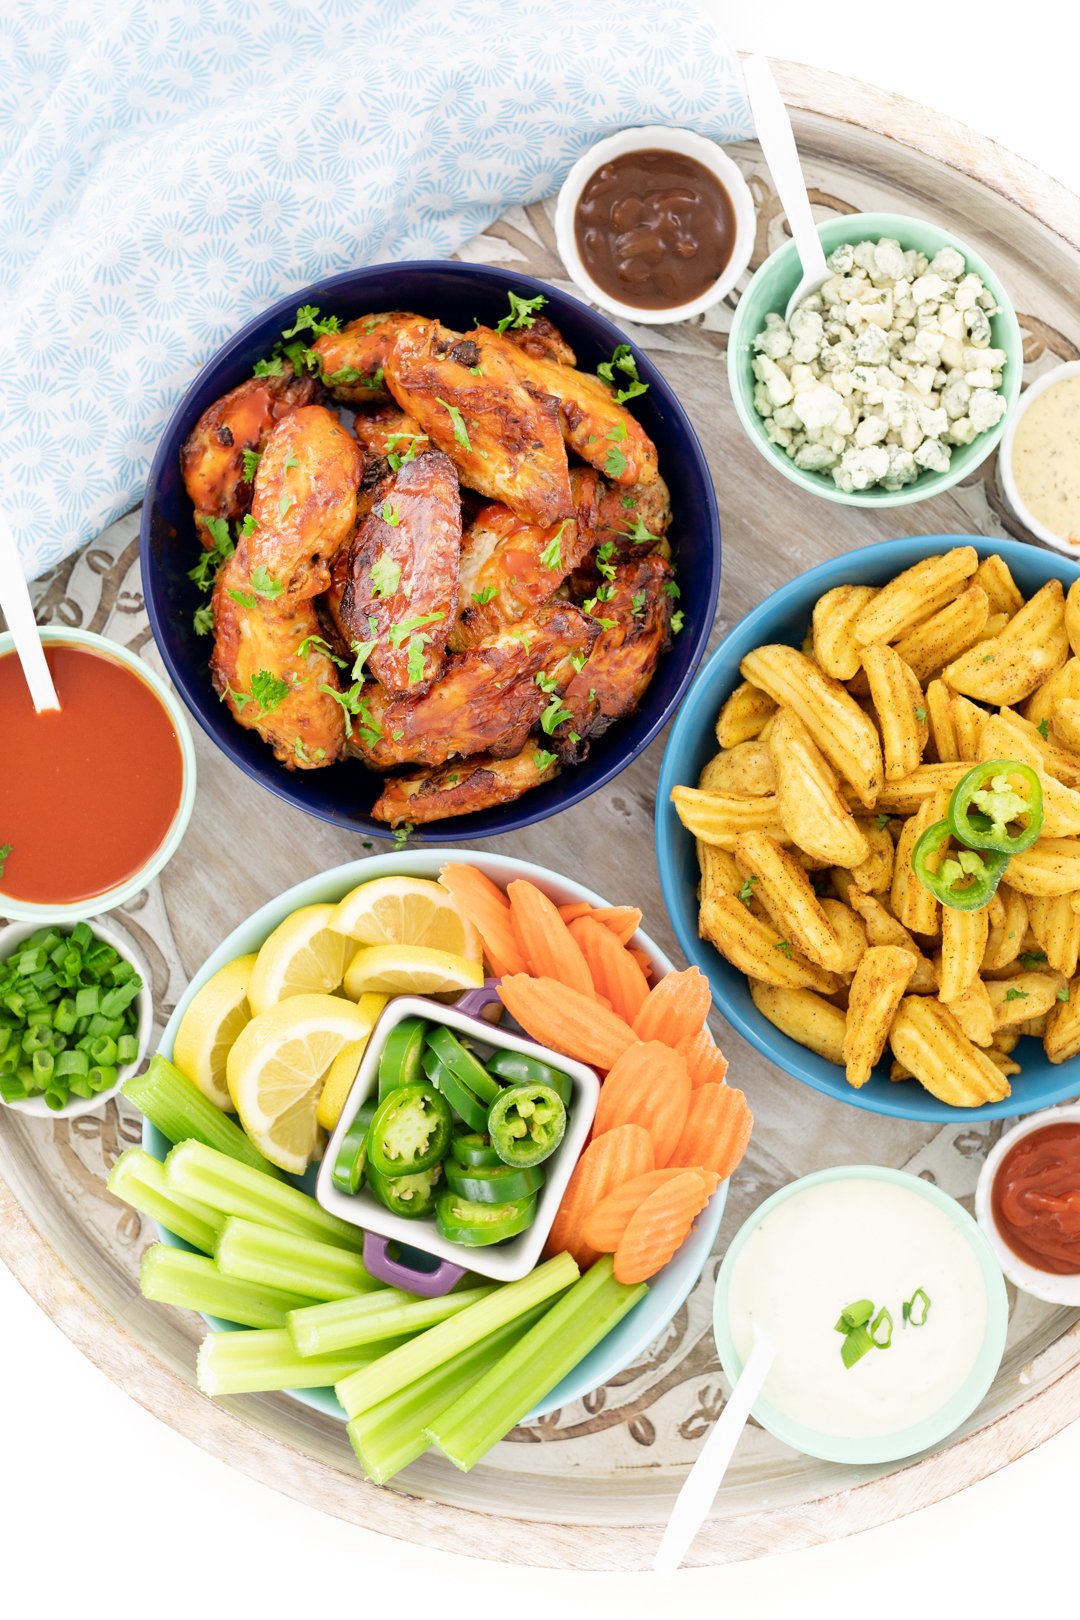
(1046, 458)
(828, 1246)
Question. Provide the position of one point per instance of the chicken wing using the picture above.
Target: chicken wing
(463, 786)
(487, 700)
(268, 672)
(634, 520)
(403, 574)
(503, 437)
(304, 505)
(387, 429)
(353, 360)
(542, 339)
(212, 457)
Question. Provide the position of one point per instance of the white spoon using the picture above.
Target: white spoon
(774, 133)
(703, 1481)
(18, 610)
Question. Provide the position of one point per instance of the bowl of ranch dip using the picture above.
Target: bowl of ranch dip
(884, 1302)
(1039, 459)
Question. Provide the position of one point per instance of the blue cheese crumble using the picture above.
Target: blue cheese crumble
(881, 372)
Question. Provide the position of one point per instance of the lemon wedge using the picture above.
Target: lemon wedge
(396, 970)
(276, 1069)
(211, 1024)
(302, 955)
(342, 1072)
(406, 911)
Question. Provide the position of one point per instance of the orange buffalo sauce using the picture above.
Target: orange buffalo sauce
(87, 794)
(1036, 1198)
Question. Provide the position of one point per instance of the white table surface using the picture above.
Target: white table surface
(80, 1458)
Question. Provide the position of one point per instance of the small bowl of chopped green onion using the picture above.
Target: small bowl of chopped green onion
(75, 1017)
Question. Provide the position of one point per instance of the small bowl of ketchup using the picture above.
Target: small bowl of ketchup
(1028, 1204)
(655, 225)
(94, 797)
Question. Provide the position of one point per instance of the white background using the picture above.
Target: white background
(105, 1510)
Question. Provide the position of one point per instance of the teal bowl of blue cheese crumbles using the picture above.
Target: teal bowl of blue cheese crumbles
(892, 382)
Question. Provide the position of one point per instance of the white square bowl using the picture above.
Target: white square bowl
(504, 1262)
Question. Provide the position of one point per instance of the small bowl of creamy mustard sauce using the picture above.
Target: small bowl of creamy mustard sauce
(1028, 1204)
(655, 225)
(1039, 460)
(884, 1302)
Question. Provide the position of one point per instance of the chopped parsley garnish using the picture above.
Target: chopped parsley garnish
(1016, 995)
(268, 368)
(240, 699)
(385, 575)
(390, 515)
(394, 460)
(639, 534)
(5, 851)
(604, 556)
(316, 644)
(637, 604)
(785, 946)
(476, 371)
(628, 502)
(554, 715)
(401, 834)
(1032, 959)
(882, 821)
(205, 571)
(248, 527)
(353, 703)
(415, 662)
(546, 683)
(285, 503)
(363, 651)
(203, 619)
(400, 633)
(264, 584)
(269, 691)
(1043, 728)
(618, 432)
(543, 760)
(551, 556)
(251, 463)
(301, 752)
(1063, 993)
(746, 893)
(622, 360)
(524, 636)
(579, 660)
(308, 319)
(290, 462)
(678, 618)
(522, 311)
(920, 714)
(488, 594)
(461, 432)
(614, 462)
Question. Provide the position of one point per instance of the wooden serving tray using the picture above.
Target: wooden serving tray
(602, 1473)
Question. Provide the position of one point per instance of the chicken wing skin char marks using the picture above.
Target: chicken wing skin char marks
(635, 519)
(463, 786)
(503, 438)
(487, 700)
(402, 577)
(304, 504)
(353, 361)
(542, 340)
(268, 683)
(388, 430)
(212, 458)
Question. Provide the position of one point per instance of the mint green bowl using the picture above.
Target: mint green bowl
(772, 285)
(939, 1425)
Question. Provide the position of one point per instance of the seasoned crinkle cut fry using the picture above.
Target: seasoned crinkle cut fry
(755, 948)
(788, 896)
(915, 595)
(882, 928)
(943, 744)
(1051, 866)
(912, 904)
(901, 713)
(850, 932)
(928, 1040)
(928, 648)
(974, 1012)
(1007, 930)
(1072, 617)
(835, 613)
(720, 818)
(968, 722)
(1062, 1038)
(1032, 646)
(904, 798)
(1018, 1001)
(963, 944)
(1056, 926)
(719, 870)
(746, 770)
(845, 735)
(1043, 703)
(743, 715)
(812, 809)
(1023, 740)
(874, 875)
(804, 1017)
(1007, 1065)
(1002, 590)
(1066, 722)
(874, 994)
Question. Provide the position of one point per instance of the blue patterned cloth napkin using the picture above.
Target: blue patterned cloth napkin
(170, 167)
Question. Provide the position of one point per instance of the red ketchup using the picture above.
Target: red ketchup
(1036, 1198)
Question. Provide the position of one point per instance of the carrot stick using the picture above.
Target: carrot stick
(649, 1085)
(575, 909)
(566, 1020)
(659, 1226)
(485, 905)
(642, 959)
(716, 1131)
(608, 1220)
(677, 1007)
(617, 1156)
(614, 972)
(543, 938)
(704, 1059)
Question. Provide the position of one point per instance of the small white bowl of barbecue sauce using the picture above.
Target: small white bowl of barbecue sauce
(655, 225)
(1028, 1204)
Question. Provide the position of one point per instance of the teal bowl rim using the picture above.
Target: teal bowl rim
(917, 1436)
(667, 1290)
(96, 905)
(784, 262)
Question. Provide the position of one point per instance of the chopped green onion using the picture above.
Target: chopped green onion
(908, 1307)
(855, 1346)
(883, 1319)
(854, 1316)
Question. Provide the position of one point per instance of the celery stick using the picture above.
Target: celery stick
(246, 1363)
(181, 1112)
(489, 1409)
(421, 1355)
(263, 1254)
(196, 1171)
(175, 1277)
(387, 1437)
(139, 1179)
(320, 1329)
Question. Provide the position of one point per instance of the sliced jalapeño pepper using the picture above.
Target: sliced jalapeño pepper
(471, 1148)
(465, 1103)
(526, 1124)
(995, 796)
(411, 1131)
(965, 879)
(463, 1064)
(517, 1068)
(351, 1159)
(486, 1184)
(412, 1195)
(462, 1220)
(400, 1059)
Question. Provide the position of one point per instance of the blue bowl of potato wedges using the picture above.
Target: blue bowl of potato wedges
(868, 828)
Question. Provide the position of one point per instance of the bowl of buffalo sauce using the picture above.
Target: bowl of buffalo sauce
(1028, 1204)
(94, 797)
(655, 224)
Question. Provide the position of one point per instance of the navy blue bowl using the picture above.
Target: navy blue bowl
(784, 617)
(455, 293)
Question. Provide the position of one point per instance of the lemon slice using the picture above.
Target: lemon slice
(403, 969)
(302, 955)
(406, 911)
(276, 1068)
(342, 1072)
(211, 1024)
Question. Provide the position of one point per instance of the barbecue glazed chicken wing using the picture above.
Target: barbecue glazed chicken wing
(463, 786)
(386, 430)
(304, 504)
(635, 519)
(212, 458)
(353, 360)
(402, 577)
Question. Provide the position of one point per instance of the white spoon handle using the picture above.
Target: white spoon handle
(703, 1481)
(777, 142)
(18, 610)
